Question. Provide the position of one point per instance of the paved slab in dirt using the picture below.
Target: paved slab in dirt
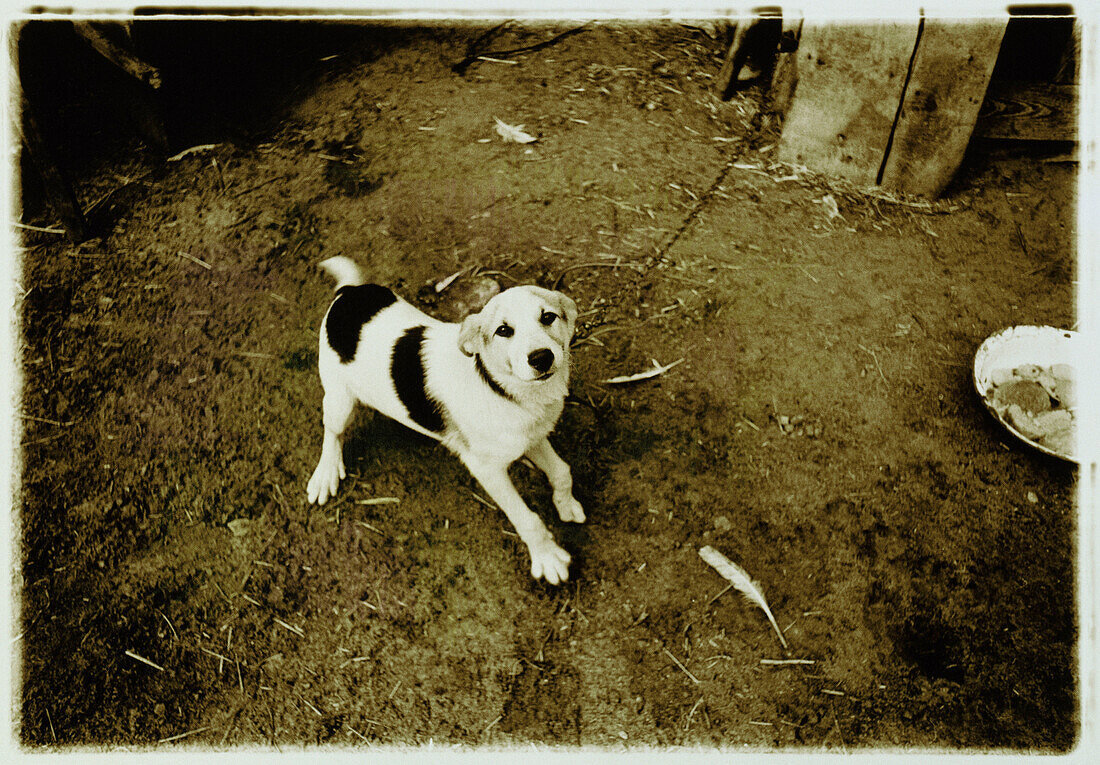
(822, 431)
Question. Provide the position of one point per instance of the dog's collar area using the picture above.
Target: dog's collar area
(489, 380)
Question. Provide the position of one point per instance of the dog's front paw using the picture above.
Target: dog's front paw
(569, 509)
(325, 479)
(549, 561)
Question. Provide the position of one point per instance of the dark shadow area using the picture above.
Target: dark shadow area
(221, 81)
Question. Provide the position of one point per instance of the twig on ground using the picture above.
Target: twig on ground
(676, 661)
(481, 499)
(479, 41)
(316, 711)
(366, 525)
(253, 187)
(40, 229)
(877, 365)
(195, 260)
(217, 656)
(174, 633)
(183, 735)
(229, 728)
(462, 65)
(724, 590)
(357, 733)
(488, 727)
(143, 660)
(691, 714)
(296, 630)
(192, 150)
(47, 421)
(633, 266)
(839, 733)
(443, 284)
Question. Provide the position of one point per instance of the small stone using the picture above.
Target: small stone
(1032, 497)
(466, 296)
(722, 523)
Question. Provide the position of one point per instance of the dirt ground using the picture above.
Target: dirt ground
(822, 430)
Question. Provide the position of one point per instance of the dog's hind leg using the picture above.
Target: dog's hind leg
(337, 408)
(547, 558)
(561, 480)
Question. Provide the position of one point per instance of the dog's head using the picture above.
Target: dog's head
(522, 333)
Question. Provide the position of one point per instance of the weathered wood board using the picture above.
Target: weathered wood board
(785, 75)
(947, 84)
(850, 83)
(1033, 111)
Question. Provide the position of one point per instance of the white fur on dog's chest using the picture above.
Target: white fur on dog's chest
(500, 428)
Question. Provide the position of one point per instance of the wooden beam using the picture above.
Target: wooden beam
(947, 84)
(94, 33)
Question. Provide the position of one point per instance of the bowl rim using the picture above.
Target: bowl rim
(983, 393)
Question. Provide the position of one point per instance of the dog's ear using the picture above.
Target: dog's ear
(469, 334)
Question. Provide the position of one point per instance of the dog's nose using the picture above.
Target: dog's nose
(541, 360)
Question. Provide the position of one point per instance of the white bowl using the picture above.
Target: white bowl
(1014, 347)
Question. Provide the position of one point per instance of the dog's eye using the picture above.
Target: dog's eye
(548, 318)
(505, 331)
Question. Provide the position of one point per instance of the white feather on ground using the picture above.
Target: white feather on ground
(656, 370)
(741, 580)
(513, 132)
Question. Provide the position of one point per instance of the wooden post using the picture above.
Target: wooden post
(947, 84)
(851, 78)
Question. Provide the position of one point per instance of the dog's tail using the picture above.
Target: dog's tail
(344, 270)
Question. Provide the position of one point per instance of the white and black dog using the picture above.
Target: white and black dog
(490, 389)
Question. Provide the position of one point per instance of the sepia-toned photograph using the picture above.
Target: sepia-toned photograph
(570, 382)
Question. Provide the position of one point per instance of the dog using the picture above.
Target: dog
(490, 389)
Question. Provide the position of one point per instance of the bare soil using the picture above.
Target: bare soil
(822, 430)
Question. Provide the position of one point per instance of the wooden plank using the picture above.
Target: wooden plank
(59, 191)
(785, 76)
(947, 84)
(96, 33)
(735, 59)
(850, 82)
(757, 34)
(1032, 111)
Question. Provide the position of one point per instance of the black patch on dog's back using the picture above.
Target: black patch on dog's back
(354, 306)
(407, 371)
